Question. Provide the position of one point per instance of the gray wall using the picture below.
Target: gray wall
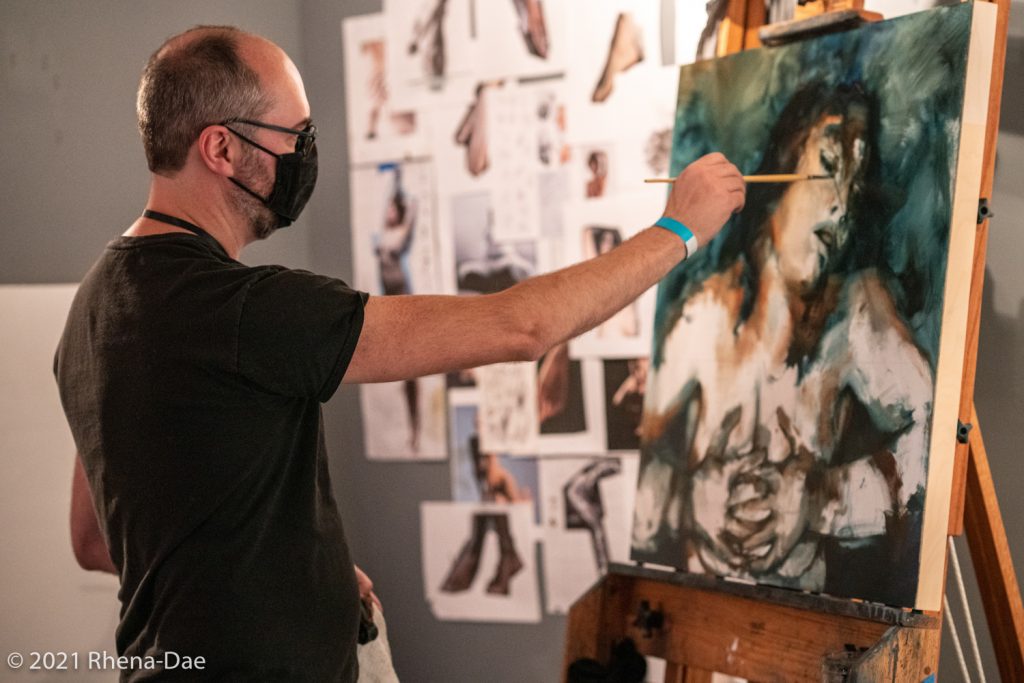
(73, 171)
(72, 176)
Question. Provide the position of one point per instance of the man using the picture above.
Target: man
(193, 383)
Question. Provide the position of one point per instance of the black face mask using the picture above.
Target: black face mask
(296, 172)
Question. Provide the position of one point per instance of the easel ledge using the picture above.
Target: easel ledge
(700, 624)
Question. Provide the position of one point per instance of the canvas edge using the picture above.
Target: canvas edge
(956, 300)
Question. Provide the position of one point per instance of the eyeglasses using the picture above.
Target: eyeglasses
(304, 141)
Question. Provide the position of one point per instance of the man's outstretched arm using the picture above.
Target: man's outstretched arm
(412, 336)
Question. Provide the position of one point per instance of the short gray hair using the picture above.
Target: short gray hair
(194, 80)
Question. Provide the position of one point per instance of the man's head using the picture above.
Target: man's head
(195, 91)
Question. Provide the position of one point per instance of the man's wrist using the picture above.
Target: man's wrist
(683, 232)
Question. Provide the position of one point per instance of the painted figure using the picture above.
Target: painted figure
(805, 416)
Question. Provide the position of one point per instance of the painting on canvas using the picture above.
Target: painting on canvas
(798, 425)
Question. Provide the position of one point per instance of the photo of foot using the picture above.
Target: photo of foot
(625, 51)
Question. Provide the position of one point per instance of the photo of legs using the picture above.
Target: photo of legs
(479, 561)
(586, 511)
(465, 567)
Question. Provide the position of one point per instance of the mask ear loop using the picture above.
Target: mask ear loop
(254, 143)
(260, 147)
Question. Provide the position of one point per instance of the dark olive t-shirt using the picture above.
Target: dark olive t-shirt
(193, 384)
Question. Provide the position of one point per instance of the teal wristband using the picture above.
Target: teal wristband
(685, 234)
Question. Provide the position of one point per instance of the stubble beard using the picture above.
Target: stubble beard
(262, 222)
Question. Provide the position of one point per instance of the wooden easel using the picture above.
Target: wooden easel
(698, 623)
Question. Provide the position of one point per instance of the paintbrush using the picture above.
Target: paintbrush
(773, 178)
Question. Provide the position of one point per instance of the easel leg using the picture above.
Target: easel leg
(990, 553)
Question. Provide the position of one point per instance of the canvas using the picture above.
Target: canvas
(799, 422)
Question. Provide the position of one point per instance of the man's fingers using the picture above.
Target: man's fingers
(740, 198)
(734, 183)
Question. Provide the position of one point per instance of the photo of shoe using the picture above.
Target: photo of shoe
(626, 50)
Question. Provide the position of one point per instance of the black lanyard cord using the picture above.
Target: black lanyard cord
(176, 222)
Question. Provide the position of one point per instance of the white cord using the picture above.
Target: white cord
(956, 639)
(973, 636)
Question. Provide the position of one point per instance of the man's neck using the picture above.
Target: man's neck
(212, 217)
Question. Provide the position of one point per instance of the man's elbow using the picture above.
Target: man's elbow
(524, 331)
(90, 552)
(531, 341)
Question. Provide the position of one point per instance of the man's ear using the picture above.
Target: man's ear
(218, 149)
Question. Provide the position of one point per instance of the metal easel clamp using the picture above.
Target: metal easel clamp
(963, 430)
(984, 210)
(648, 620)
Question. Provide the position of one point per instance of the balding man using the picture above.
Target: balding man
(193, 383)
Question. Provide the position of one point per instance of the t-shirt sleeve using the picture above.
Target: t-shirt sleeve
(297, 333)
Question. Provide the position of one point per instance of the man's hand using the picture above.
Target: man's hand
(705, 195)
(366, 593)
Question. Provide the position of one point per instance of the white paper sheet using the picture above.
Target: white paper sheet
(378, 130)
(691, 29)
(573, 419)
(479, 562)
(430, 42)
(508, 408)
(478, 476)
(625, 382)
(593, 227)
(522, 38)
(527, 130)
(584, 500)
(394, 247)
(405, 420)
(622, 97)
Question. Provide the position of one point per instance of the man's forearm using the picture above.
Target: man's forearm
(559, 306)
